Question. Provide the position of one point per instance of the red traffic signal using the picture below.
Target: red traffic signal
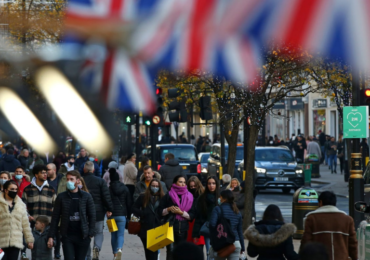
(158, 91)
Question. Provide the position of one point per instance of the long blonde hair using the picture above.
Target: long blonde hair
(198, 184)
(233, 179)
(84, 187)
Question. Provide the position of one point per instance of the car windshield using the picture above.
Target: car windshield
(180, 153)
(205, 158)
(273, 155)
(239, 152)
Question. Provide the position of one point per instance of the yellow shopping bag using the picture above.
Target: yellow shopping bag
(159, 237)
(112, 226)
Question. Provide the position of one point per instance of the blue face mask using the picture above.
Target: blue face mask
(91, 159)
(70, 185)
(154, 189)
(219, 201)
(18, 176)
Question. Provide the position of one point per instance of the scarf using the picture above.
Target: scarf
(186, 199)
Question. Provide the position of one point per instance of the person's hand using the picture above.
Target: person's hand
(171, 209)
(50, 242)
(109, 214)
(30, 245)
(30, 218)
(178, 211)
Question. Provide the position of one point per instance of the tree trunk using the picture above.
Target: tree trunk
(249, 177)
(231, 157)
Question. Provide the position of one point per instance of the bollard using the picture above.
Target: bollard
(356, 187)
(221, 173)
(244, 172)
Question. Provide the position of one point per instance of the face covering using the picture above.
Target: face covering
(70, 185)
(12, 194)
(18, 176)
(91, 159)
(192, 191)
(219, 201)
(71, 163)
(79, 186)
(154, 189)
(2, 181)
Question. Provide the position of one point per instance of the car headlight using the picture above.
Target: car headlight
(204, 170)
(260, 170)
(299, 172)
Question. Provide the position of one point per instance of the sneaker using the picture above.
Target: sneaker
(24, 256)
(95, 253)
(118, 255)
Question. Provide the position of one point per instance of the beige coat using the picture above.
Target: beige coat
(14, 225)
(129, 173)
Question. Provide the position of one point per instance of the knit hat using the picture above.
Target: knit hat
(113, 165)
(113, 175)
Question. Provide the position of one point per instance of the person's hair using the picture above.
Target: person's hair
(74, 173)
(226, 178)
(53, 166)
(8, 183)
(146, 167)
(202, 200)
(84, 187)
(328, 198)
(198, 184)
(229, 197)
(43, 219)
(144, 162)
(10, 151)
(92, 155)
(169, 156)
(23, 151)
(39, 168)
(113, 175)
(187, 250)
(148, 192)
(89, 166)
(122, 160)
(313, 250)
(130, 156)
(272, 212)
(7, 173)
(19, 167)
(233, 179)
(82, 148)
(177, 177)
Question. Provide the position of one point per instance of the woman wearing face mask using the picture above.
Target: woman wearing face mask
(13, 222)
(81, 184)
(146, 207)
(178, 208)
(206, 203)
(4, 177)
(121, 199)
(130, 173)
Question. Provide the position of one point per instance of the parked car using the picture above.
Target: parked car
(276, 168)
(186, 154)
(214, 161)
(203, 159)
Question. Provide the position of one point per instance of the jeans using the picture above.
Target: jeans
(75, 248)
(333, 162)
(178, 237)
(327, 159)
(149, 255)
(208, 245)
(233, 256)
(11, 253)
(98, 238)
(117, 238)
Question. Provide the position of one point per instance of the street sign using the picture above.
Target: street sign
(156, 120)
(355, 122)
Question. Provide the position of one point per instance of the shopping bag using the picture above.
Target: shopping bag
(1, 254)
(112, 226)
(159, 237)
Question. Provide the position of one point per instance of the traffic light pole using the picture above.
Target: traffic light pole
(153, 144)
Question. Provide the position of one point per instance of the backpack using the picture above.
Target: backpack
(222, 235)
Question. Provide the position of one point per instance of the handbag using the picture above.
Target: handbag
(134, 225)
(226, 251)
(221, 236)
(204, 230)
(159, 237)
(112, 225)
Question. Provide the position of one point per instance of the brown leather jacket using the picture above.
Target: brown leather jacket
(334, 229)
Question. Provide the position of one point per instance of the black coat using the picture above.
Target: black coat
(61, 213)
(79, 161)
(9, 163)
(121, 199)
(169, 171)
(149, 216)
(271, 240)
(99, 191)
(200, 217)
(23, 161)
(178, 226)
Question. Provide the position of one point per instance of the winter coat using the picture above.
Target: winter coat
(40, 250)
(121, 199)
(334, 229)
(129, 173)
(322, 139)
(62, 185)
(24, 161)
(332, 151)
(314, 148)
(235, 219)
(141, 186)
(63, 168)
(169, 171)
(100, 193)
(79, 161)
(9, 163)
(21, 186)
(271, 240)
(97, 172)
(107, 178)
(61, 213)
(200, 218)
(300, 151)
(14, 225)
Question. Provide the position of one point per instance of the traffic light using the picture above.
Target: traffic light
(365, 97)
(178, 112)
(129, 119)
(147, 121)
(205, 108)
(160, 109)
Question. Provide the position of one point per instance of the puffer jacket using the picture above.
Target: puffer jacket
(169, 171)
(121, 199)
(100, 193)
(40, 250)
(141, 186)
(271, 240)
(61, 213)
(14, 225)
(9, 163)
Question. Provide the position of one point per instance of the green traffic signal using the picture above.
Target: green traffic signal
(147, 122)
(128, 119)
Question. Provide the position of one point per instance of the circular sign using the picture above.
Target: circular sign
(156, 120)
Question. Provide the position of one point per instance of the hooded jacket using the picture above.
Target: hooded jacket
(141, 186)
(271, 240)
(169, 171)
(9, 163)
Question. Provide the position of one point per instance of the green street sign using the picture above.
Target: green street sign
(356, 122)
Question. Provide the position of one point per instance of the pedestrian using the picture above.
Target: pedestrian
(341, 153)
(276, 140)
(299, 148)
(145, 179)
(130, 173)
(144, 162)
(146, 207)
(327, 148)
(9, 163)
(13, 222)
(75, 211)
(40, 250)
(4, 177)
(106, 176)
(122, 202)
(315, 251)
(226, 179)
(332, 228)
(332, 153)
(195, 186)
(228, 210)
(22, 179)
(204, 207)
(59, 160)
(170, 169)
(53, 177)
(33, 161)
(177, 205)
(67, 166)
(314, 148)
(103, 205)
(206, 147)
(23, 158)
(322, 141)
(83, 157)
(234, 185)
(192, 140)
(271, 238)
(187, 251)
(121, 166)
(240, 201)
(92, 158)
(81, 184)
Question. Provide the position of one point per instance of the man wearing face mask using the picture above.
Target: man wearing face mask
(22, 180)
(97, 172)
(75, 211)
(68, 166)
(145, 179)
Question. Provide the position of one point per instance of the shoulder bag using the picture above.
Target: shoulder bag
(222, 235)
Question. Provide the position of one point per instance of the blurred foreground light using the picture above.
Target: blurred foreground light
(72, 110)
(24, 121)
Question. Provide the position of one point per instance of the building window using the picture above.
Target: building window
(319, 121)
